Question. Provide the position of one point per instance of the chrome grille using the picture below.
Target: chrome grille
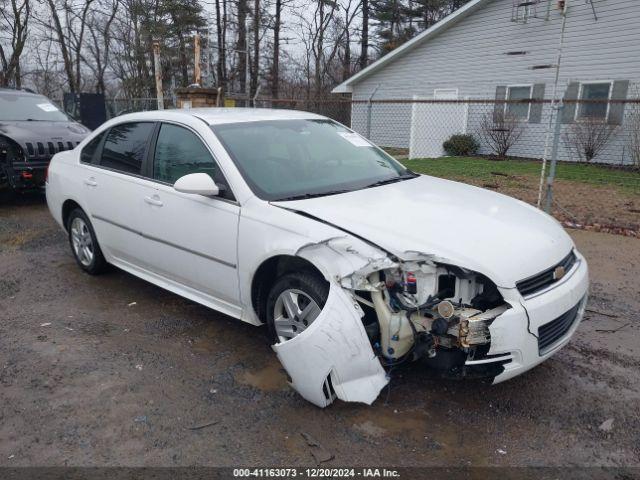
(542, 280)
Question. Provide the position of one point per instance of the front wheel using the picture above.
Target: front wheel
(84, 244)
(294, 302)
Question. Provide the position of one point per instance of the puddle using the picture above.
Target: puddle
(386, 423)
(269, 379)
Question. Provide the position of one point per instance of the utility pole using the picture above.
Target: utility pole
(196, 61)
(554, 108)
(158, 71)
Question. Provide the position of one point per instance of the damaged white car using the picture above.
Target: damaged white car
(354, 262)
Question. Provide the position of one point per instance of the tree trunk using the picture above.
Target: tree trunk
(364, 42)
(221, 66)
(346, 61)
(256, 47)
(64, 50)
(275, 68)
(319, 50)
(242, 44)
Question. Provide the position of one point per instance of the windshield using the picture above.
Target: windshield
(291, 159)
(17, 107)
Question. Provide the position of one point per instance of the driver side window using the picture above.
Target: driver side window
(178, 153)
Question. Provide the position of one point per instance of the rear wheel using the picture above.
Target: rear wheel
(294, 303)
(84, 244)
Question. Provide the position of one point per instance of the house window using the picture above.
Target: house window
(519, 111)
(599, 93)
(445, 94)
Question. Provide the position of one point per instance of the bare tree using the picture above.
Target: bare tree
(364, 38)
(45, 73)
(70, 36)
(99, 48)
(588, 137)
(221, 34)
(15, 21)
(350, 9)
(275, 63)
(242, 44)
(500, 132)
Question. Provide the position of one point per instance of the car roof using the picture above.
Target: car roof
(216, 116)
(13, 91)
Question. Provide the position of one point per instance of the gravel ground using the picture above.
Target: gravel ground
(112, 370)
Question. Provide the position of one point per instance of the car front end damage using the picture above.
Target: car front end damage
(383, 310)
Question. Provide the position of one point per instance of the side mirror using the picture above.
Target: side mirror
(197, 183)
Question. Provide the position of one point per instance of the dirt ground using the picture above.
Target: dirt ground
(584, 204)
(580, 203)
(112, 370)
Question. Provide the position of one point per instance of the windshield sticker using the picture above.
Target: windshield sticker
(355, 139)
(47, 107)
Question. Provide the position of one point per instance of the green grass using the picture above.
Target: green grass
(485, 170)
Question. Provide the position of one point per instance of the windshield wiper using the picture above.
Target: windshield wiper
(400, 178)
(304, 196)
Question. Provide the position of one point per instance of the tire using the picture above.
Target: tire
(84, 243)
(298, 289)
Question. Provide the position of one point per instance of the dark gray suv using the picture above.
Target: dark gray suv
(32, 130)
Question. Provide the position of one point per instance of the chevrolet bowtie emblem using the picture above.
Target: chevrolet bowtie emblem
(558, 273)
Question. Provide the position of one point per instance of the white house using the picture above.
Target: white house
(505, 49)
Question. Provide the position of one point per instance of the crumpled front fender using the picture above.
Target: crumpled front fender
(333, 356)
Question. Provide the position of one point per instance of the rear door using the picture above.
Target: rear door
(194, 237)
(112, 188)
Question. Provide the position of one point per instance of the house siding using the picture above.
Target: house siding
(471, 56)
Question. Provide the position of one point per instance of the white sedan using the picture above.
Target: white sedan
(354, 262)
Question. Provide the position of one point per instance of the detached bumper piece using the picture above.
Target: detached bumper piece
(550, 333)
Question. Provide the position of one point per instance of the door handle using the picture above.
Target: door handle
(91, 182)
(155, 200)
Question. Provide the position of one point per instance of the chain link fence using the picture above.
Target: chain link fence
(500, 145)
(120, 106)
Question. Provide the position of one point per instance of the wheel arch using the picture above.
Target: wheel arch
(269, 271)
(69, 206)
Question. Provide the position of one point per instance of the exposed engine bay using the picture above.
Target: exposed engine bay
(437, 312)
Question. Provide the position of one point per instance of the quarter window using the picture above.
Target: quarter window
(89, 151)
(518, 110)
(125, 147)
(596, 100)
(180, 152)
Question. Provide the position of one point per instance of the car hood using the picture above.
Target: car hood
(501, 237)
(25, 131)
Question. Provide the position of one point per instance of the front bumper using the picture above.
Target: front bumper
(29, 174)
(514, 334)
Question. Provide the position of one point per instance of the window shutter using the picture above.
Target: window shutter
(535, 113)
(616, 110)
(498, 107)
(569, 110)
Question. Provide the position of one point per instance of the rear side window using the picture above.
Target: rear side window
(125, 147)
(89, 151)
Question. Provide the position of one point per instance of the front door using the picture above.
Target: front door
(194, 237)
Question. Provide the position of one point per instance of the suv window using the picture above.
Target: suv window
(125, 147)
(89, 151)
(180, 152)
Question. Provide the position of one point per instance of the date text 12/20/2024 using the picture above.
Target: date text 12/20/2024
(315, 473)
